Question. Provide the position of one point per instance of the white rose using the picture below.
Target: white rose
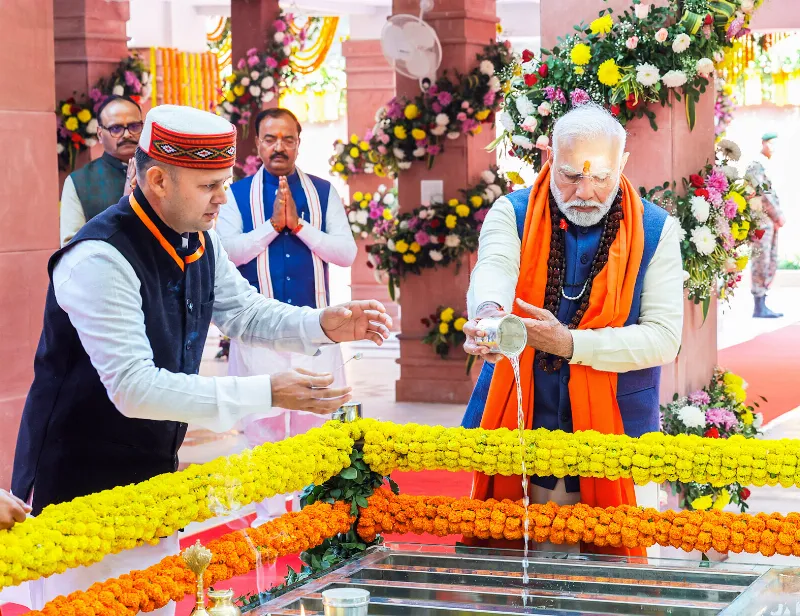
(118, 90)
(255, 91)
(355, 228)
(494, 83)
(748, 6)
(419, 152)
(705, 66)
(496, 190)
(487, 176)
(545, 109)
(506, 121)
(287, 49)
(404, 164)
(398, 153)
(389, 199)
(662, 35)
(530, 124)
(452, 241)
(267, 83)
(390, 245)
(339, 148)
(351, 216)
(681, 43)
(488, 195)
(487, 68)
(245, 81)
(91, 142)
(435, 255)
(91, 127)
(59, 148)
(647, 75)
(524, 106)
(362, 216)
(642, 10)
(403, 225)
(267, 96)
(442, 119)
(705, 240)
(674, 79)
(453, 135)
(438, 131)
(543, 142)
(522, 141)
(700, 208)
(279, 36)
(254, 75)
(692, 417)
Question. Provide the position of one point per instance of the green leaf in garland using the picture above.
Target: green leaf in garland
(391, 288)
(349, 473)
(706, 306)
(691, 112)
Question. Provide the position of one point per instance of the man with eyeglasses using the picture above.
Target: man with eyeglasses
(595, 273)
(282, 227)
(100, 184)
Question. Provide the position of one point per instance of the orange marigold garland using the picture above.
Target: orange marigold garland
(629, 526)
(234, 554)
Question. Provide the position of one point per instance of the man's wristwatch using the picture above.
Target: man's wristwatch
(486, 305)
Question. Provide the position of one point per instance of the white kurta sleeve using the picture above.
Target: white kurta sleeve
(656, 339)
(71, 216)
(242, 247)
(494, 278)
(100, 292)
(336, 244)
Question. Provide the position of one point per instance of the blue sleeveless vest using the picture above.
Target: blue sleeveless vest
(291, 266)
(72, 440)
(637, 391)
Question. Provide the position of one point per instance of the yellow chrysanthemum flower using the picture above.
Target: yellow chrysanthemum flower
(239, 90)
(379, 171)
(744, 229)
(580, 54)
(411, 111)
(387, 213)
(602, 25)
(453, 202)
(444, 328)
(368, 196)
(460, 323)
(354, 139)
(66, 109)
(741, 263)
(418, 134)
(579, 70)
(364, 146)
(71, 123)
(409, 258)
(476, 200)
(447, 315)
(401, 246)
(358, 196)
(415, 248)
(477, 130)
(747, 418)
(462, 211)
(451, 221)
(338, 167)
(482, 114)
(354, 153)
(230, 96)
(400, 132)
(84, 115)
(608, 73)
(739, 200)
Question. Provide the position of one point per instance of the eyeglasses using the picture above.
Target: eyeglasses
(290, 143)
(575, 178)
(116, 130)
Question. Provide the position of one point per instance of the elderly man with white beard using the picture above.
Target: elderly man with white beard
(595, 272)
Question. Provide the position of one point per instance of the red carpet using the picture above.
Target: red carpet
(768, 363)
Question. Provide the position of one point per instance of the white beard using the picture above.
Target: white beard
(582, 219)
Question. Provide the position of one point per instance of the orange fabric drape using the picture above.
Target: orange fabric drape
(593, 394)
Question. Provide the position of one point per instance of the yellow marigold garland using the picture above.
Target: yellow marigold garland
(763, 533)
(85, 530)
(234, 554)
(654, 457)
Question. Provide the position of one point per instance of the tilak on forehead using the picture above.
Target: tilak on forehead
(587, 166)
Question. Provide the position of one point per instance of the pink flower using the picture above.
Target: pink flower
(722, 417)
(279, 25)
(271, 62)
(468, 125)
(252, 51)
(662, 35)
(437, 108)
(716, 179)
(382, 149)
(422, 238)
(461, 116)
(434, 149)
(632, 43)
(489, 98)
(252, 60)
(579, 97)
(699, 397)
(241, 64)
(385, 139)
(95, 94)
(730, 209)
(465, 105)
(480, 214)
(444, 98)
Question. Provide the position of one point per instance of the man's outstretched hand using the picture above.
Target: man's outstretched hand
(357, 320)
(300, 390)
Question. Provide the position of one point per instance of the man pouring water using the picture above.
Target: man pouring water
(595, 274)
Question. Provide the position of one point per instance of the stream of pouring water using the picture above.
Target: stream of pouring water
(525, 498)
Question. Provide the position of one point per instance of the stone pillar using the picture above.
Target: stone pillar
(90, 40)
(464, 28)
(251, 24)
(370, 84)
(669, 154)
(29, 192)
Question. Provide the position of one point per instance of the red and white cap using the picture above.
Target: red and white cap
(188, 137)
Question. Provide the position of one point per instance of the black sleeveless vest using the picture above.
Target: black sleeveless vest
(99, 184)
(72, 440)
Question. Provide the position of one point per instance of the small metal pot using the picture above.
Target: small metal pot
(345, 602)
(506, 335)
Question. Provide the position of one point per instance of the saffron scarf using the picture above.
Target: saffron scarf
(592, 393)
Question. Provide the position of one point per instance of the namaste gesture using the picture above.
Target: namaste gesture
(284, 213)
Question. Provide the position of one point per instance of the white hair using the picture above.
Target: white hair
(586, 123)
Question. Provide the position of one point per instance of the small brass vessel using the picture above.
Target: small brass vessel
(222, 603)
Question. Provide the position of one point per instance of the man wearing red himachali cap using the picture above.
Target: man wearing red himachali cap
(126, 318)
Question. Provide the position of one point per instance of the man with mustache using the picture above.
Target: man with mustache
(282, 227)
(100, 184)
(596, 274)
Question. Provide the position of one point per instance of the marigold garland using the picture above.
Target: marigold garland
(235, 554)
(632, 527)
(654, 457)
(83, 531)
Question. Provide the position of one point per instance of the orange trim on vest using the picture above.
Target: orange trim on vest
(163, 241)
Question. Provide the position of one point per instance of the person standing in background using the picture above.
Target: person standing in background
(765, 259)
